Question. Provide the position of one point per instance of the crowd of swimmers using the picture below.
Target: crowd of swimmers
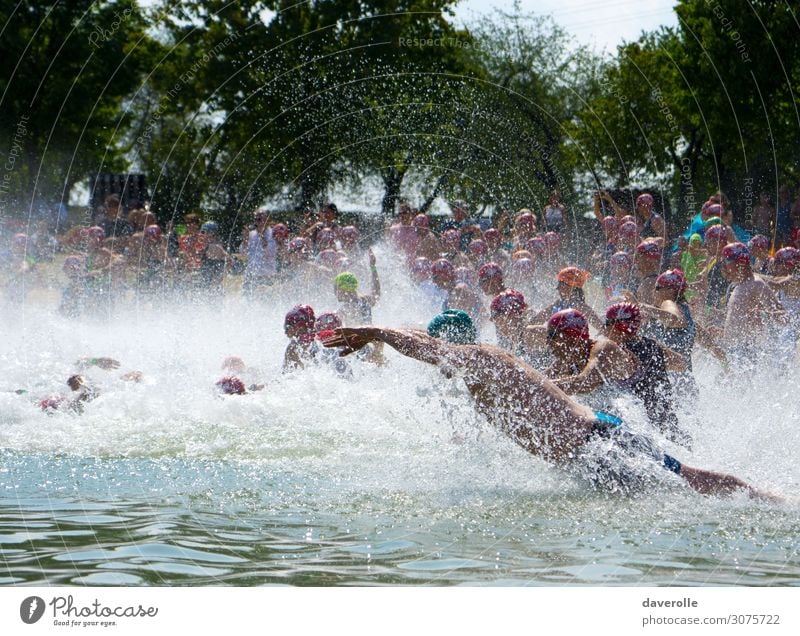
(624, 320)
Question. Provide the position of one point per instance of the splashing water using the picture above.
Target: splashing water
(386, 478)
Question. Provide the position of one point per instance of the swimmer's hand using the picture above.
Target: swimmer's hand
(350, 339)
(103, 363)
(132, 376)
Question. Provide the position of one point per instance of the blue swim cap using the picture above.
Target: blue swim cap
(453, 325)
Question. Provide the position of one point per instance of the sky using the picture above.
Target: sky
(600, 23)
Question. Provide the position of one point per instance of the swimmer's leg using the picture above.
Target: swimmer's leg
(710, 483)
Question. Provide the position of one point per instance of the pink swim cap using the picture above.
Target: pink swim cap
(231, 385)
(570, 322)
(490, 271)
(509, 302)
(624, 317)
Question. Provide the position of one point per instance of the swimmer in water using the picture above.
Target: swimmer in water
(529, 408)
(570, 291)
(299, 325)
(753, 310)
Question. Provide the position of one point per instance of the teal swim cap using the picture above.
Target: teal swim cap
(714, 220)
(453, 325)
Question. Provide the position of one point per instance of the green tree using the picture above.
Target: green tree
(67, 68)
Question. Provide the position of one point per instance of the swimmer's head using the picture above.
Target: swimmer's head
(421, 221)
(552, 240)
(649, 250)
(695, 240)
(569, 323)
(52, 402)
(231, 385)
(621, 261)
(787, 260)
(297, 245)
(299, 321)
(508, 303)
(345, 283)
(350, 234)
(280, 232)
(443, 273)
(234, 364)
(478, 247)
(327, 321)
(490, 278)
(153, 232)
(536, 246)
(628, 230)
(453, 325)
(523, 268)
(493, 238)
(76, 382)
(673, 280)
(623, 318)
(573, 277)
(421, 269)
(644, 201)
(736, 253)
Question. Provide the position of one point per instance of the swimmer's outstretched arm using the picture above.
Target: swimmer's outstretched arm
(411, 343)
(708, 482)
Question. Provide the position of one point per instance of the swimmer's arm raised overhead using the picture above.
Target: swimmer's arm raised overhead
(376, 283)
(607, 361)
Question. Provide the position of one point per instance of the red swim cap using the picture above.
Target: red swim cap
(281, 232)
(621, 259)
(300, 315)
(421, 220)
(624, 317)
(52, 402)
(443, 270)
(97, 232)
(231, 385)
(610, 223)
(736, 252)
(649, 249)
(536, 245)
(672, 279)
(552, 240)
(645, 199)
(758, 242)
(570, 322)
(789, 257)
(490, 271)
(628, 228)
(478, 246)
(327, 320)
(451, 237)
(527, 220)
(717, 233)
(523, 266)
(509, 302)
(233, 363)
(492, 235)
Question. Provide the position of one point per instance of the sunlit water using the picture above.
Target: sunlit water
(386, 479)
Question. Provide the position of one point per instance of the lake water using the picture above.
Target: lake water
(386, 479)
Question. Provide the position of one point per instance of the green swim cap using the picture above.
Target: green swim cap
(453, 325)
(695, 238)
(714, 220)
(346, 281)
